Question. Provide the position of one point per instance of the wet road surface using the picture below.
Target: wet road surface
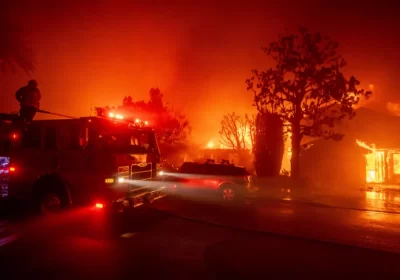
(187, 238)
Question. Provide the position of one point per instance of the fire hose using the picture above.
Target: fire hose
(55, 114)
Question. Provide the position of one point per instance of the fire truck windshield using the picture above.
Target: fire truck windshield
(127, 141)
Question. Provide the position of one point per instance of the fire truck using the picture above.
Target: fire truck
(107, 162)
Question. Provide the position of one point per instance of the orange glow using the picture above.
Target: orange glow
(111, 115)
(289, 152)
(146, 123)
(83, 58)
(12, 169)
(137, 121)
(211, 145)
(99, 205)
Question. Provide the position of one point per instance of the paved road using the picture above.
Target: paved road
(181, 239)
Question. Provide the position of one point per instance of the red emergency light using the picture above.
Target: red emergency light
(141, 123)
(119, 117)
(115, 116)
(12, 169)
(100, 205)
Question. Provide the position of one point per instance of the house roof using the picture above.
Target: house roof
(375, 128)
(371, 127)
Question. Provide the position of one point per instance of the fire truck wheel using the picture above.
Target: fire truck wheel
(50, 197)
(50, 202)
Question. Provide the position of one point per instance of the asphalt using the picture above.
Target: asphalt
(181, 238)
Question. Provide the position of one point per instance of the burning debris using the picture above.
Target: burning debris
(365, 146)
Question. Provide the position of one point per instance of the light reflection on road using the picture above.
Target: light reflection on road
(383, 200)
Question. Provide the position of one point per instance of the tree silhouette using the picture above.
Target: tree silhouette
(15, 51)
(306, 88)
(269, 145)
(237, 132)
(171, 126)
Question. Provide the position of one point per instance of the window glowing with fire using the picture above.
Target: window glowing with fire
(396, 163)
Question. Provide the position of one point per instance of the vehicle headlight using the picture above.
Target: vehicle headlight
(121, 180)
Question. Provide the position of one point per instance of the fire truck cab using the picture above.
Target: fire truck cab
(57, 163)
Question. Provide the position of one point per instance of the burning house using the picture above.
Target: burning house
(369, 153)
(382, 165)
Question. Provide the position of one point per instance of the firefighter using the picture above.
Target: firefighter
(29, 98)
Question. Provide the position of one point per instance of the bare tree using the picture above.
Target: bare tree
(306, 88)
(237, 131)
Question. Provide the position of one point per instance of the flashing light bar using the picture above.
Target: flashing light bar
(115, 116)
(139, 122)
(120, 117)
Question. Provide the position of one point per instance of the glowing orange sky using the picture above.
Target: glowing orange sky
(198, 54)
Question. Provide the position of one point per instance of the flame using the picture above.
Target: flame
(365, 146)
(288, 148)
(211, 145)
